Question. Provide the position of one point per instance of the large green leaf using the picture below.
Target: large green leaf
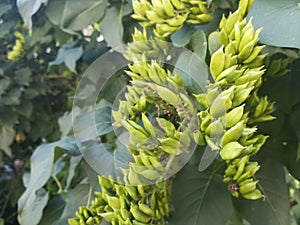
(275, 209)
(74, 15)
(280, 22)
(200, 198)
(111, 28)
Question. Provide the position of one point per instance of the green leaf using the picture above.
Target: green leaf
(22, 76)
(25, 108)
(28, 8)
(182, 37)
(7, 134)
(200, 198)
(12, 97)
(198, 44)
(77, 197)
(74, 15)
(69, 55)
(193, 71)
(275, 209)
(4, 84)
(111, 28)
(2, 221)
(280, 22)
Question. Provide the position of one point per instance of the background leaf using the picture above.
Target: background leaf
(69, 55)
(280, 22)
(201, 198)
(7, 135)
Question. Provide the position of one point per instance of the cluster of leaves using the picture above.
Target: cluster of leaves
(62, 38)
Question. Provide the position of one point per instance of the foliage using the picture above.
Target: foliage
(45, 48)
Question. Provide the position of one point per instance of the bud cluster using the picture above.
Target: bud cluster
(232, 103)
(160, 119)
(18, 50)
(167, 16)
(124, 204)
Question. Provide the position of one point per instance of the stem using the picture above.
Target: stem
(90, 196)
(58, 184)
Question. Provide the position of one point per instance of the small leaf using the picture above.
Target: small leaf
(200, 197)
(111, 28)
(198, 43)
(65, 124)
(4, 84)
(25, 108)
(22, 76)
(28, 8)
(193, 71)
(7, 135)
(69, 55)
(103, 120)
(182, 37)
